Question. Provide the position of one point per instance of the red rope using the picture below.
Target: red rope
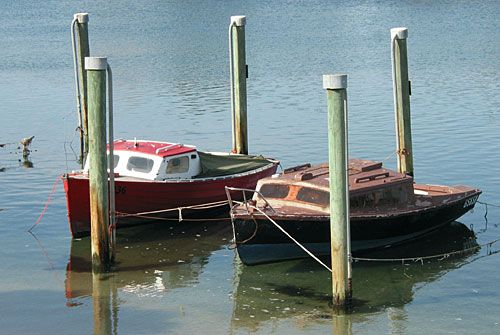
(47, 203)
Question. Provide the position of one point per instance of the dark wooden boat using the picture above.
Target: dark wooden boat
(386, 208)
(153, 179)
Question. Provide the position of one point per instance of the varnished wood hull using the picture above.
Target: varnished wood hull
(260, 241)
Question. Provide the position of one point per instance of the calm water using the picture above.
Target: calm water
(171, 82)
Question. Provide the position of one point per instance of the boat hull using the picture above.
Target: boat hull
(137, 196)
(260, 241)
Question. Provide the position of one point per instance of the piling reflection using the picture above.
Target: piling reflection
(150, 260)
(341, 324)
(101, 297)
(300, 291)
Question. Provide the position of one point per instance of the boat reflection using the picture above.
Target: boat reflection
(301, 290)
(150, 260)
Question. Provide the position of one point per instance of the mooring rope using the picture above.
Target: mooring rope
(421, 259)
(171, 219)
(146, 215)
(49, 200)
(290, 236)
(389, 156)
(488, 204)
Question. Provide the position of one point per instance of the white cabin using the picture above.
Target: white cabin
(154, 160)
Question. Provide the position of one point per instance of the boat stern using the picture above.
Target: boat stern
(76, 188)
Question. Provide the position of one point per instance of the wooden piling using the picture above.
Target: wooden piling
(83, 50)
(401, 87)
(238, 72)
(336, 86)
(98, 175)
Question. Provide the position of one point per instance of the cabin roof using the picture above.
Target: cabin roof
(363, 175)
(160, 149)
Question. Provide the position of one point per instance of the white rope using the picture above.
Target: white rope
(157, 218)
(294, 240)
(196, 207)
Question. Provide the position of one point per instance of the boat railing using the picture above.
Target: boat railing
(245, 200)
(168, 147)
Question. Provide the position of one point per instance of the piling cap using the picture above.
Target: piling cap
(400, 33)
(334, 81)
(81, 17)
(96, 63)
(239, 20)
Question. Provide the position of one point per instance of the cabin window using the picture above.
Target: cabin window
(116, 159)
(178, 165)
(140, 164)
(274, 191)
(313, 196)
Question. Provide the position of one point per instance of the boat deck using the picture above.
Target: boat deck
(302, 192)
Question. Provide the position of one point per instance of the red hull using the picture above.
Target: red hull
(145, 196)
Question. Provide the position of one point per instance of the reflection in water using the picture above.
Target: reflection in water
(26, 162)
(341, 324)
(17, 162)
(301, 290)
(102, 296)
(150, 260)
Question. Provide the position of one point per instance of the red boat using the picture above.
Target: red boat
(158, 180)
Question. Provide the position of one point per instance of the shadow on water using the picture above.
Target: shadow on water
(301, 290)
(150, 260)
(153, 257)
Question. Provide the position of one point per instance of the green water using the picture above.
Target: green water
(170, 66)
